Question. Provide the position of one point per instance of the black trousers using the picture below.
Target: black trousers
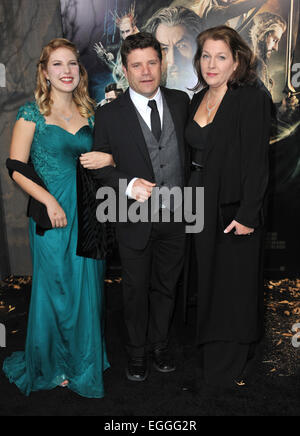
(150, 278)
(225, 362)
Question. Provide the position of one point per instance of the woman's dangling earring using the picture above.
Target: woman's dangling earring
(48, 83)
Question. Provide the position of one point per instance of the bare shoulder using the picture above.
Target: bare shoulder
(24, 128)
(22, 137)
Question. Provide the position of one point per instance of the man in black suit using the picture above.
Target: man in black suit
(144, 131)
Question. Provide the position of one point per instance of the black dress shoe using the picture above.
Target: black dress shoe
(137, 369)
(162, 361)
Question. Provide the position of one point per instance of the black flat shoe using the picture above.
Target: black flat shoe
(137, 369)
(162, 361)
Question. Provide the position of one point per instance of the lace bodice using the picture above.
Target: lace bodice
(55, 151)
(30, 112)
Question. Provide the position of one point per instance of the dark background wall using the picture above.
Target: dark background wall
(25, 27)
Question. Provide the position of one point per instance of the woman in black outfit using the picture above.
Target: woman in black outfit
(228, 134)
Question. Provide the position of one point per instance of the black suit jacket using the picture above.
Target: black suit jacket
(118, 132)
(236, 158)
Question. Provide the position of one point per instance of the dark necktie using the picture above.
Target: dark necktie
(155, 120)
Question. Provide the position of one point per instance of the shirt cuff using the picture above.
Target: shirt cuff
(129, 188)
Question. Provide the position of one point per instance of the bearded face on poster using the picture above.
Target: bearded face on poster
(176, 29)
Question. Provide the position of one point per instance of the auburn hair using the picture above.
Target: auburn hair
(246, 72)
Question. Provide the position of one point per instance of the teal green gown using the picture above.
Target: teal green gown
(65, 332)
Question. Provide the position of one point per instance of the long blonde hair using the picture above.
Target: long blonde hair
(43, 93)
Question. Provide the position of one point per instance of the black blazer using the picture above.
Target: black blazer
(118, 131)
(235, 180)
(236, 159)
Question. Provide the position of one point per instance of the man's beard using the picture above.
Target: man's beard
(181, 79)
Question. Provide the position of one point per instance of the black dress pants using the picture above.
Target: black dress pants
(224, 363)
(150, 278)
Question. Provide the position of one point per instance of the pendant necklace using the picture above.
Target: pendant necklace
(209, 110)
(67, 119)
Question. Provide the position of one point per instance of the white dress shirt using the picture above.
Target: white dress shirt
(141, 104)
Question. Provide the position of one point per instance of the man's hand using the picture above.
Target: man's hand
(239, 229)
(142, 190)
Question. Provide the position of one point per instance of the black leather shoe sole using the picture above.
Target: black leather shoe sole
(136, 377)
(163, 369)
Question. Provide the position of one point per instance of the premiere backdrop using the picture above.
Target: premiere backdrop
(271, 29)
(98, 28)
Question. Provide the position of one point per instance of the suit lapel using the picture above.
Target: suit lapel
(130, 119)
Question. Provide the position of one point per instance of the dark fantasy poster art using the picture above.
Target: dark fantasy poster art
(271, 28)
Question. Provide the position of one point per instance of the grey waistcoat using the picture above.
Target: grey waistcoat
(164, 154)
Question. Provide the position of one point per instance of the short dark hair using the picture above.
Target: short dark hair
(139, 40)
(241, 52)
(113, 87)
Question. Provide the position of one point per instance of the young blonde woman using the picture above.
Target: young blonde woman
(65, 345)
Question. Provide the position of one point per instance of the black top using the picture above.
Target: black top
(197, 137)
